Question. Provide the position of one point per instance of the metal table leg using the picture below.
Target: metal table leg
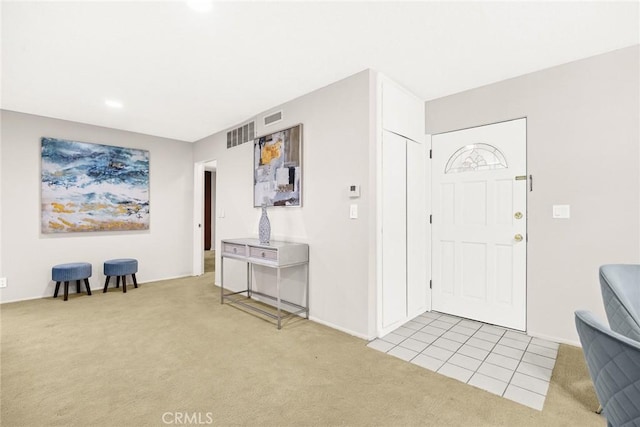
(221, 280)
(278, 295)
(307, 265)
(249, 278)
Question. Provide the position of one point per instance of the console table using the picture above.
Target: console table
(276, 255)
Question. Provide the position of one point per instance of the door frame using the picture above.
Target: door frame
(198, 215)
(526, 216)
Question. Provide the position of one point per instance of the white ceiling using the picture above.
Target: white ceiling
(185, 75)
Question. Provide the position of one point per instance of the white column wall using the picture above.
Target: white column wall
(336, 153)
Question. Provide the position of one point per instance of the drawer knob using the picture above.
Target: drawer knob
(235, 250)
(263, 254)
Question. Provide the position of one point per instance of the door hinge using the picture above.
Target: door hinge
(430, 219)
(431, 154)
(430, 284)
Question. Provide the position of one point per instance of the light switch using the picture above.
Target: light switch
(221, 213)
(561, 211)
(353, 211)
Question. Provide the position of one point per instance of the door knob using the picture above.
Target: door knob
(518, 237)
(518, 215)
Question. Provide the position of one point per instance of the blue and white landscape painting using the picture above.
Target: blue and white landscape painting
(93, 187)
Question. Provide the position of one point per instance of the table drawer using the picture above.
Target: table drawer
(230, 248)
(262, 253)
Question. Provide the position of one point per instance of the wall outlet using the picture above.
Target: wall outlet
(3, 282)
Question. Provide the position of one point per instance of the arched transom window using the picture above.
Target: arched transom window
(476, 157)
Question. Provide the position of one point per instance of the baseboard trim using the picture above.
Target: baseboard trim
(554, 339)
(322, 322)
(339, 328)
(112, 284)
(24, 299)
(167, 278)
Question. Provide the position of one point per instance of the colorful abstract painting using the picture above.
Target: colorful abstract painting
(93, 187)
(277, 168)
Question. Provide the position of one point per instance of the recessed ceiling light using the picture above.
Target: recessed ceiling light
(112, 103)
(201, 6)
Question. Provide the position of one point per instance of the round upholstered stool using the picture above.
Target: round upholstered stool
(120, 268)
(73, 271)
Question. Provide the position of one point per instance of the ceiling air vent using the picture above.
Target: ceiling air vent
(273, 118)
(244, 133)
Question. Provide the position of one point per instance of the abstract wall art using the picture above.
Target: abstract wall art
(277, 168)
(93, 187)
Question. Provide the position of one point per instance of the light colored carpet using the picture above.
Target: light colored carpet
(209, 261)
(119, 359)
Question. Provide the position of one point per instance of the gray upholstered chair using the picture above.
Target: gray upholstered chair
(614, 365)
(620, 284)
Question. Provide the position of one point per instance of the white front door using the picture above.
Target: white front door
(479, 227)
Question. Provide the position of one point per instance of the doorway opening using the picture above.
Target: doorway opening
(209, 218)
(204, 208)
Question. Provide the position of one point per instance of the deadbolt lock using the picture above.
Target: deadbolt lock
(518, 215)
(518, 237)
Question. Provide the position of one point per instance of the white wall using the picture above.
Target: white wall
(336, 153)
(582, 150)
(1, 204)
(163, 251)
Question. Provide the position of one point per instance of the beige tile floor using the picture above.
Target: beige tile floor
(508, 363)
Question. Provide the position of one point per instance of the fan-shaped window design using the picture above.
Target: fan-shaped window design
(476, 157)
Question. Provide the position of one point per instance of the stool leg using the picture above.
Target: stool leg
(55, 294)
(124, 284)
(66, 290)
(135, 282)
(86, 284)
(77, 286)
(117, 281)
(106, 284)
